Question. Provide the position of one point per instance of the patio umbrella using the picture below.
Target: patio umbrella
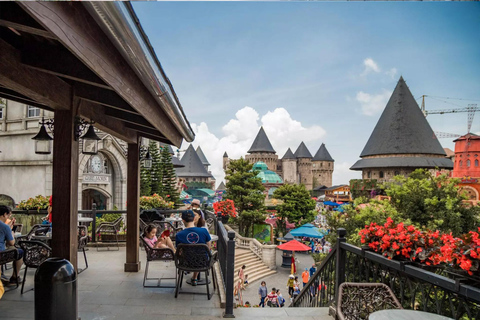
(307, 232)
(308, 225)
(293, 246)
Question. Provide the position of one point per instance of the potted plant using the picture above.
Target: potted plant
(226, 208)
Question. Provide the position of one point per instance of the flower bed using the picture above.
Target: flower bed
(397, 241)
(38, 203)
(226, 208)
(155, 201)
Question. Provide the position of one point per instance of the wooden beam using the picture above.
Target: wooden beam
(133, 207)
(14, 96)
(58, 61)
(44, 88)
(77, 31)
(129, 117)
(153, 137)
(110, 125)
(65, 188)
(106, 97)
(27, 29)
(152, 132)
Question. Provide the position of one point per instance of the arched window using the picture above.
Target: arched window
(460, 163)
(369, 174)
(381, 174)
(476, 163)
(468, 163)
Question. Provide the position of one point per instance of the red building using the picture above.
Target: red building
(466, 165)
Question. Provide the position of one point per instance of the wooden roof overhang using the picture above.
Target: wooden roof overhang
(94, 59)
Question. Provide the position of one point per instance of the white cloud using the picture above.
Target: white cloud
(342, 173)
(370, 66)
(373, 103)
(238, 135)
(392, 72)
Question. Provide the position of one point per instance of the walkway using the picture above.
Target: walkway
(105, 292)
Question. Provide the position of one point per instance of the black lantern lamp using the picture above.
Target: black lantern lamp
(90, 141)
(147, 161)
(43, 141)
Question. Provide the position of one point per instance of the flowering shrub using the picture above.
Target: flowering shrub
(431, 248)
(38, 203)
(155, 201)
(226, 207)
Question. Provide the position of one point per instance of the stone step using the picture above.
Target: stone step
(251, 265)
(243, 255)
(282, 313)
(259, 275)
(245, 261)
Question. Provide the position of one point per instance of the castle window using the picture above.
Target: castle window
(460, 156)
(380, 174)
(321, 164)
(460, 163)
(397, 173)
(476, 155)
(314, 165)
(329, 165)
(476, 163)
(369, 174)
(468, 163)
(33, 112)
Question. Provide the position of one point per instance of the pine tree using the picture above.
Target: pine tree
(156, 171)
(168, 177)
(145, 177)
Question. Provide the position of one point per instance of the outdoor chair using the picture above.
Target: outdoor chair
(194, 258)
(34, 254)
(157, 254)
(358, 300)
(18, 227)
(109, 228)
(82, 243)
(8, 256)
(36, 229)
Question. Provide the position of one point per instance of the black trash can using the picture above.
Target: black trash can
(56, 290)
(286, 259)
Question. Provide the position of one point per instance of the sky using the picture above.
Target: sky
(318, 72)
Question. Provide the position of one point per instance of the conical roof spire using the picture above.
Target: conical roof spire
(288, 155)
(322, 154)
(202, 157)
(402, 128)
(225, 155)
(302, 151)
(193, 165)
(261, 143)
(222, 186)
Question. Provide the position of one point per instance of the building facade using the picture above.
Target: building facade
(466, 165)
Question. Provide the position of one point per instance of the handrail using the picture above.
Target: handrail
(248, 243)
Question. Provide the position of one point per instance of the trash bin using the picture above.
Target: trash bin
(56, 290)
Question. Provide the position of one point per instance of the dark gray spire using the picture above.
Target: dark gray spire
(176, 163)
(302, 151)
(222, 186)
(402, 128)
(322, 154)
(202, 157)
(289, 155)
(193, 165)
(225, 155)
(261, 143)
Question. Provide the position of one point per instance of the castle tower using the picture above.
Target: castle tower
(401, 142)
(194, 170)
(225, 161)
(322, 167)
(262, 150)
(289, 167)
(304, 166)
(202, 157)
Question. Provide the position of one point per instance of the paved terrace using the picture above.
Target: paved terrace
(106, 292)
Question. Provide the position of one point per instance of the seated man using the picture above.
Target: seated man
(7, 240)
(192, 235)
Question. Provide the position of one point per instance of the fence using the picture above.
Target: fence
(226, 259)
(416, 288)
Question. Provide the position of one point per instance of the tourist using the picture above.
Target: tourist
(241, 276)
(7, 241)
(313, 270)
(291, 285)
(296, 292)
(296, 283)
(305, 276)
(262, 292)
(195, 207)
(245, 283)
(272, 299)
(150, 237)
(192, 235)
(281, 299)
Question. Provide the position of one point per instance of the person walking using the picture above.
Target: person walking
(290, 285)
(305, 277)
(241, 276)
(262, 292)
(313, 269)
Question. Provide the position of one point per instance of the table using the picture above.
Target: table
(401, 314)
(85, 219)
(174, 220)
(214, 237)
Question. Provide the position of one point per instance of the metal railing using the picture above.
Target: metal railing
(415, 287)
(226, 259)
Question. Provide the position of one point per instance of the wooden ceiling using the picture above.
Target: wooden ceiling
(53, 55)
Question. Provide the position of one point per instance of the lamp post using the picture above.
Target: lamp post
(90, 141)
(43, 141)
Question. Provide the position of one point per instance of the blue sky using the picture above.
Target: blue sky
(320, 72)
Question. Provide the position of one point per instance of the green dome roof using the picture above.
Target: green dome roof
(266, 175)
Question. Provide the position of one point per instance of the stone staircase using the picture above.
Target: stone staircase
(255, 268)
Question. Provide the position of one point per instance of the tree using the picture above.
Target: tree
(168, 176)
(297, 205)
(246, 190)
(156, 170)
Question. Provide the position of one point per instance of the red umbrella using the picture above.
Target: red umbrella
(294, 245)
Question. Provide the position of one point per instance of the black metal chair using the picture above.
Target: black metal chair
(194, 258)
(356, 301)
(34, 254)
(82, 243)
(110, 228)
(157, 254)
(7, 256)
(36, 230)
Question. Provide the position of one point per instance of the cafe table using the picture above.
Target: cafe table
(175, 221)
(402, 314)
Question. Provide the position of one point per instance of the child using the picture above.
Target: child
(149, 235)
(245, 283)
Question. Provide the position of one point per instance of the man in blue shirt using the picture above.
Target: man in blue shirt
(312, 270)
(7, 240)
(192, 235)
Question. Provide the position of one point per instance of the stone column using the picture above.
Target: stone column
(269, 256)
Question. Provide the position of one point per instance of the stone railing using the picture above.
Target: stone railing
(266, 252)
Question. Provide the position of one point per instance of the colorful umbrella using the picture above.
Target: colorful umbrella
(294, 245)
